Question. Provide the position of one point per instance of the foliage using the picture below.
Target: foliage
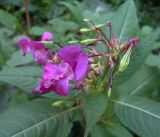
(133, 107)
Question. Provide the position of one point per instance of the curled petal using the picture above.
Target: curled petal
(46, 36)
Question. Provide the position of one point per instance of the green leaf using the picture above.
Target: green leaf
(118, 130)
(100, 131)
(153, 60)
(37, 118)
(146, 79)
(94, 106)
(125, 22)
(17, 59)
(138, 57)
(76, 9)
(26, 78)
(8, 19)
(37, 31)
(140, 115)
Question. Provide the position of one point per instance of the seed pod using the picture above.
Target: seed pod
(125, 60)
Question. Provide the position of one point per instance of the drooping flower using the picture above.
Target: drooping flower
(40, 52)
(77, 59)
(56, 78)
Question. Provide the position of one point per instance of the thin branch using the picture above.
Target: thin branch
(26, 4)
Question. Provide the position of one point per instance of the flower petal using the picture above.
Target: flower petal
(24, 43)
(61, 87)
(81, 67)
(70, 54)
(40, 52)
(46, 36)
(76, 58)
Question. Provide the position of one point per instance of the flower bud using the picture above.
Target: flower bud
(87, 41)
(73, 42)
(109, 92)
(86, 20)
(125, 60)
(58, 103)
(85, 30)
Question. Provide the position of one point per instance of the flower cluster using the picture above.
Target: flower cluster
(70, 64)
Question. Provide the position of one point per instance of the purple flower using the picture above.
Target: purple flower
(56, 78)
(77, 59)
(40, 52)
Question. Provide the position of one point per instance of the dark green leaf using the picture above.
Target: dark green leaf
(18, 59)
(35, 119)
(95, 106)
(140, 115)
(23, 77)
(8, 19)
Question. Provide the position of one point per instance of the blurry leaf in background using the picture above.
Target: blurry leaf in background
(140, 115)
(146, 30)
(8, 19)
(37, 30)
(37, 118)
(17, 59)
(153, 60)
(26, 78)
(125, 22)
(76, 9)
(61, 26)
(94, 106)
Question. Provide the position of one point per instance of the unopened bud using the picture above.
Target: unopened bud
(85, 30)
(88, 41)
(58, 103)
(100, 25)
(73, 42)
(86, 20)
(109, 92)
(125, 60)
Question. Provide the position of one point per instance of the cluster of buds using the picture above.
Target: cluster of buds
(113, 51)
(72, 65)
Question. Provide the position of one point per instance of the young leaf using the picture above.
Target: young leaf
(37, 118)
(95, 106)
(140, 115)
(23, 77)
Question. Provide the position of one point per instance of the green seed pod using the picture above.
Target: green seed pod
(125, 60)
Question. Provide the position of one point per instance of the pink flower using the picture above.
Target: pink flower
(77, 59)
(56, 78)
(40, 52)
